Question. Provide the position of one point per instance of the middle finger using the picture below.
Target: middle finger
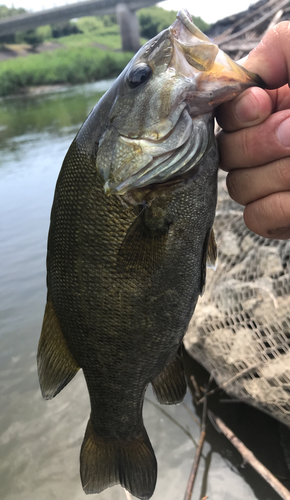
(249, 184)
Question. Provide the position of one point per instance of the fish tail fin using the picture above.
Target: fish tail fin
(131, 463)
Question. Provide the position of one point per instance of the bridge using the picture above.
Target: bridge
(124, 10)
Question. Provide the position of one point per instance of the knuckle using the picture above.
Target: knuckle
(233, 186)
(282, 212)
(253, 218)
(246, 148)
(283, 171)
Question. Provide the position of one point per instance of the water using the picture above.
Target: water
(40, 441)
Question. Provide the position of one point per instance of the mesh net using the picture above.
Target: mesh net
(240, 331)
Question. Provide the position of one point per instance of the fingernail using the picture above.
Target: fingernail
(247, 108)
(283, 133)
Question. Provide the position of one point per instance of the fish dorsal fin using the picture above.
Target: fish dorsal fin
(143, 246)
(209, 258)
(56, 365)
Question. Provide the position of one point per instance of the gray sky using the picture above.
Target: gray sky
(209, 10)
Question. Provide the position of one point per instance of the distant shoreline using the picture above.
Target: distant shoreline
(9, 51)
(38, 90)
(13, 51)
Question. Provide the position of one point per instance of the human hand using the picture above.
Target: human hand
(255, 141)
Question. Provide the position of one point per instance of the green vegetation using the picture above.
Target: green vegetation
(79, 60)
(155, 19)
(77, 65)
(89, 50)
(93, 31)
(53, 111)
(8, 12)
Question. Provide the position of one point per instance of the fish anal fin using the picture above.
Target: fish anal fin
(56, 365)
(131, 463)
(170, 385)
(143, 246)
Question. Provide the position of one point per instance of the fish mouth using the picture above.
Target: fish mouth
(218, 77)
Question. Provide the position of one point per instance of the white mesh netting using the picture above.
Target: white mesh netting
(240, 331)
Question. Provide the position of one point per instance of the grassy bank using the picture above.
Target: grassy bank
(91, 52)
(74, 65)
(79, 60)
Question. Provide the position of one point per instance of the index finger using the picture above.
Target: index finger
(249, 108)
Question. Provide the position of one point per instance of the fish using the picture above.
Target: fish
(129, 240)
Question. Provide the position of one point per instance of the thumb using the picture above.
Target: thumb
(271, 58)
(271, 61)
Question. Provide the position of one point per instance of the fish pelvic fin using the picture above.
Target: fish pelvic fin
(170, 385)
(56, 365)
(144, 244)
(131, 463)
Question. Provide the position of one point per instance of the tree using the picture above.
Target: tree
(8, 12)
(155, 19)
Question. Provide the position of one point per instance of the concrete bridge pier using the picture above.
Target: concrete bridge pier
(129, 28)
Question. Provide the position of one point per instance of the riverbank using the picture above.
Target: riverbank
(65, 65)
(11, 51)
(92, 54)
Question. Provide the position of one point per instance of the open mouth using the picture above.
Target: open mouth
(197, 55)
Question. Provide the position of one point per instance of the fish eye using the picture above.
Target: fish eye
(139, 74)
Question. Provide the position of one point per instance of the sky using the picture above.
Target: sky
(209, 10)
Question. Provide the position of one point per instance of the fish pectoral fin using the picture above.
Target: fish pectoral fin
(143, 246)
(170, 385)
(212, 257)
(209, 258)
(56, 365)
(105, 462)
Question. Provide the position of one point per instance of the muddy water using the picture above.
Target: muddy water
(40, 441)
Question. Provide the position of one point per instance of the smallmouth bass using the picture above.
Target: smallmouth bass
(130, 233)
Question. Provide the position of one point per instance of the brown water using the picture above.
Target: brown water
(40, 441)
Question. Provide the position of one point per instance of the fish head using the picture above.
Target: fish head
(159, 111)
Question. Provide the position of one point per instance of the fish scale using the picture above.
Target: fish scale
(127, 253)
(114, 297)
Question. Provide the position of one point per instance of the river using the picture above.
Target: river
(40, 441)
